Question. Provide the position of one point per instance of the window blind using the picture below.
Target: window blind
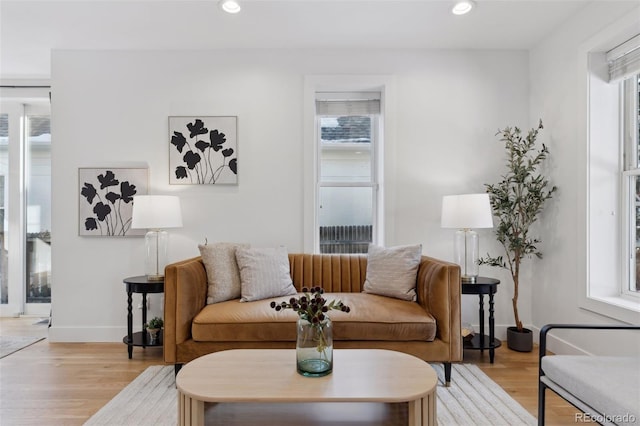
(624, 60)
(343, 103)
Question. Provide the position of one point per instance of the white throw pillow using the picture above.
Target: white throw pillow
(223, 275)
(264, 272)
(393, 271)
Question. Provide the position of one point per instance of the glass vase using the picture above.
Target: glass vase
(314, 348)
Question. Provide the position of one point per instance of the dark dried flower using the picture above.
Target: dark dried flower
(311, 306)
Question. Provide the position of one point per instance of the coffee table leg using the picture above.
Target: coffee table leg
(422, 412)
(190, 411)
(415, 412)
(429, 416)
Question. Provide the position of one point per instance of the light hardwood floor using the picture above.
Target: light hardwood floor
(66, 383)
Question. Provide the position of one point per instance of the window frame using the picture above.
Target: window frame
(600, 271)
(386, 156)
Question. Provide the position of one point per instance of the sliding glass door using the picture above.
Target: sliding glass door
(25, 208)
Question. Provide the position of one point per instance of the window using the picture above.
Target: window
(613, 170)
(631, 182)
(624, 64)
(347, 139)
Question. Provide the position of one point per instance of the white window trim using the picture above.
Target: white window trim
(348, 83)
(629, 101)
(598, 294)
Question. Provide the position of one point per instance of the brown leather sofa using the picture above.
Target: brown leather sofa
(428, 329)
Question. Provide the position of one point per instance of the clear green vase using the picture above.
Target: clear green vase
(314, 348)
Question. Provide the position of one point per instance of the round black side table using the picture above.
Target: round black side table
(140, 284)
(482, 286)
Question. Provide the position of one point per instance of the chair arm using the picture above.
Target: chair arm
(439, 289)
(545, 330)
(185, 294)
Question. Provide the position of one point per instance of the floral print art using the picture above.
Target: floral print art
(203, 150)
(106, 200)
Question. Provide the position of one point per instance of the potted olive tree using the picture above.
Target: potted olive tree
(516, 202)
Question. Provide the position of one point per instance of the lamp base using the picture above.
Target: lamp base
(156, 242)
(155, 277)
(469, 279)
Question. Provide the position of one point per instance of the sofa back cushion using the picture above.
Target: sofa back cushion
(223, 274)
(335, 273)
(263, 273)
(392, 271)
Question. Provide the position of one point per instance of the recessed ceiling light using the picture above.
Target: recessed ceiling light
(462, 7)
(230, 6)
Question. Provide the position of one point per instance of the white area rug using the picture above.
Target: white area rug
(11, 344)
(472, 399)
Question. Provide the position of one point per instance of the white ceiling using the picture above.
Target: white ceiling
(29, 30)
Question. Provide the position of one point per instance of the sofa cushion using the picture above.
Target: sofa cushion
(264, 272)
(606, 383)
(223, 275)
(392, 271)
(372, 317)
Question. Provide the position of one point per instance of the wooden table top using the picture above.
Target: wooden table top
(269, 375)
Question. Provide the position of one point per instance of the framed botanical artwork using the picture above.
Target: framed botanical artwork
(106, 200)
(203, 150)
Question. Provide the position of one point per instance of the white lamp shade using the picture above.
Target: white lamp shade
(156, 212)
(466, 211)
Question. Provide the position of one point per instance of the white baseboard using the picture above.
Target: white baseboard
(554, 344)
(500, 330)
(86, 334)
(116, 334)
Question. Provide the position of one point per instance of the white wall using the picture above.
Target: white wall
(110, 108)
(558, 96)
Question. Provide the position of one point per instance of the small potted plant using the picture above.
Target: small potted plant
(153, 327)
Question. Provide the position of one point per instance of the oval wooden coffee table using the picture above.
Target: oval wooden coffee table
(269, 376)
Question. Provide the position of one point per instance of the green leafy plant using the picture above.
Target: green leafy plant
(517, 201)
(155, 323)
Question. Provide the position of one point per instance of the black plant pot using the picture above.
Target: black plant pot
(521, 341)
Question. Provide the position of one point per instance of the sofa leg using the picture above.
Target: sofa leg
(176, 368)
(447, 374)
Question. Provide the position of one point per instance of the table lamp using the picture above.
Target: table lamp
(156, 213)
(465, 212)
